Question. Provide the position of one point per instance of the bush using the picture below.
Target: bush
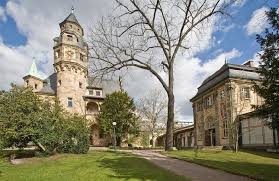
(25, 118)
(75, 136)
(67, 134)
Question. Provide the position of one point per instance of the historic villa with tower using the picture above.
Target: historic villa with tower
(70, 83)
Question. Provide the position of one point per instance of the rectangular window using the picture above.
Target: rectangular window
(98, 93)
(208, 101)
(36, 86)
(57, 54)
(70, 102)
(59, 82)
(223, 111)
(80, 85)
(225, 128)
(222, 94)
(90, 92)
(199, 106)
(69, 37)
(245, 93)
(27, 82)
(81, 57)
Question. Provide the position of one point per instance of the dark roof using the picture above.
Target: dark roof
(225, 72)
(49, 86)
(108, 86)
(180, 130)
(71, 18)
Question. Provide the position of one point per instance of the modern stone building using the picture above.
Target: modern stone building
(70, 83)
(223, 98)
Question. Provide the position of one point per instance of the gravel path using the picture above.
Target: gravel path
(187, 169)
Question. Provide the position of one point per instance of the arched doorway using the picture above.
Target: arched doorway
(92, 108)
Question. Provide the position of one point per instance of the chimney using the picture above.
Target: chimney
(249, 63)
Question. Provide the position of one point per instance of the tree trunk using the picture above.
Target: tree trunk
(236, 143)
(170, 121)
(153, 141)
(277, 137)
(274, 137)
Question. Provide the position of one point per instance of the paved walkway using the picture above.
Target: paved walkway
(194, 171)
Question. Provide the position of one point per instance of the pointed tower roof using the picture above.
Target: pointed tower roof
(71, 18)
(33, 70)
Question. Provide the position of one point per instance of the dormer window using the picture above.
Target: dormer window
(69, 37)
(98, 93)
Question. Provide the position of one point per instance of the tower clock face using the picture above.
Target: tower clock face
(69, 54)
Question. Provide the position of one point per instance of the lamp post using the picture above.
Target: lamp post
(114, 136)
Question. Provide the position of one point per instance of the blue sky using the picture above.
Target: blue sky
(237, 36)
(230, 39)
(27, 29)
(9, 32)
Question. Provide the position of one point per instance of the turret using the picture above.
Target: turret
(71, 64)
(33, 79)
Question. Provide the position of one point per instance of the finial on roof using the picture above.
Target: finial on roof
(73, 9)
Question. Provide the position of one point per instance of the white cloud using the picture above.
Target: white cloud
(189, 73)
(258, 21)
(239, 3)
(3, 16)
(39, 22)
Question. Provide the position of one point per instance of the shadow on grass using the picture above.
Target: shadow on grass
(262, 153)
(125, 166)
(256, 171)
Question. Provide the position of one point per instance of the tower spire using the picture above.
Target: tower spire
(33, 69)
(73, 9)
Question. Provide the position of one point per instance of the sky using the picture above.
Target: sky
(27, 29)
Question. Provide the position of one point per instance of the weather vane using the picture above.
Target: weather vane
(73, 9)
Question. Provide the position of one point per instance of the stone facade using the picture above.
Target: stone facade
(70, 83)
(220, 100)
(182, 138)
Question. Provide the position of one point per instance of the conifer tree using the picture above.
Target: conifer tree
(268, 88)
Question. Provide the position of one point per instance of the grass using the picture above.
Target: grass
(97, 166)
(257, 165)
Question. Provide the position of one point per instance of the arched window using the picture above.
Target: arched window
(92, 107)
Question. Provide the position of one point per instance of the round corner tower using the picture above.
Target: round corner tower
(71, 65)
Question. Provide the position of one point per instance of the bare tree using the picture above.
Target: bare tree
(153, 111)
(149, 34)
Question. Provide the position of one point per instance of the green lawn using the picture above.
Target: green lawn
(95, 166)
(260, 165)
